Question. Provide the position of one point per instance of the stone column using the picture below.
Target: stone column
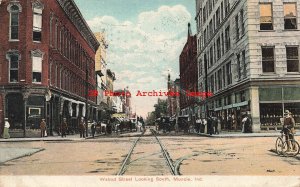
(25, 99)
(2, 114)
(254, 107)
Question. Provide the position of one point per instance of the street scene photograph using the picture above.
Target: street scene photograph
(149, 92)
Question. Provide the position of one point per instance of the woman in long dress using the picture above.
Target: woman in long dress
(6, 127)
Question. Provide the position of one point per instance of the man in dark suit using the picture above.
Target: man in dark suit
(64, 128)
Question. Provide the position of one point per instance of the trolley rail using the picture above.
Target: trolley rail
(126, 162)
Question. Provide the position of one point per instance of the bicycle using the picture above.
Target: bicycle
(289, 147)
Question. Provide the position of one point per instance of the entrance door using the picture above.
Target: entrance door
(15, 110)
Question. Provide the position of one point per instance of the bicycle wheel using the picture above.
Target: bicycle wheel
(291, 149)
(279, 145)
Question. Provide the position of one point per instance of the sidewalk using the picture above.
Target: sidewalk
(226, 134)
(75, 137)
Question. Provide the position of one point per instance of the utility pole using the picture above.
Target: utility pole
(86, 97)
(206, 86)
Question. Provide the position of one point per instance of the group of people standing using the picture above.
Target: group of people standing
(215, 124)
(63, 128)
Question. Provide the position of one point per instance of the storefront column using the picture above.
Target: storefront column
(254, 106)
(25, 114)
(2, 104)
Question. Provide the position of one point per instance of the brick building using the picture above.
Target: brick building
(248, 55)
(188, 75)
(173, 100)
(47, 52)
(101, 67)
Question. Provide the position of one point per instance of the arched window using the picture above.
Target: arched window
(37, 8)
(37, 58)
(13, 58)
(14, 10)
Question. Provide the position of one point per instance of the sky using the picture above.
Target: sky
(145, 39)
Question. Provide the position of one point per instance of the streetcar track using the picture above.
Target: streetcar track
(126, 163)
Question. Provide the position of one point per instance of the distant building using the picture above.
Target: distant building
(110, 78)
(101, 67)
(248, 56)
(188, 76)
(47, 49)
(173, 106)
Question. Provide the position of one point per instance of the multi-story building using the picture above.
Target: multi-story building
(188, 75)
(110, 78)
(100, 67)
(173, 106)
(47, 64)
(248, 55)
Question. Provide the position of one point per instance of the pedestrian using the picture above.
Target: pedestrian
(64, 128)
(209, 125)
(93, 128)
(82, 128)
(215, 125)
(43, 127)
(229, 122)
(6, 128)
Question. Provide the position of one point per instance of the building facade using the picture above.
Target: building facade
(47, 64)
(188, 75)
(173, 105)
(101, 67)
(110, 78)
(248, 56)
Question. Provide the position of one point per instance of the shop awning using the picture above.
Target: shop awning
(240, 104)
(218, 109)
(227, 106)
(118, 115)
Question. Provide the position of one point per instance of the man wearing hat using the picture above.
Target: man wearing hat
(43, 127)
(288, 126)
(82, 128)
(64, 127)
(6, 127)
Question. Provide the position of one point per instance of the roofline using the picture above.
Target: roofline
(90, 38)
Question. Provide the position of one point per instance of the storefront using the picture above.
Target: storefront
(273, 101)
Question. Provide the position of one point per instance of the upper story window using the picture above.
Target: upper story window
(292, 59)
(13, 58)
(228, 73)
(242, 22)
(290, 20)
(37, 57)
(237, 29)
(266, 16)
(14, 9)
(37, 8)
(227, 38)
(268, 59)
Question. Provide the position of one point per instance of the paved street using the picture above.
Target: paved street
(191, 155)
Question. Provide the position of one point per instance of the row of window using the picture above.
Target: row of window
(223, 76)
(15, 10)
(67, 80)
(218, 49)
(289, 13)
(268, 59)
(220, 13)
(220, 79)
(58, 77)
(62, 40)
(14, 66)
(228, 100)
(214, 25)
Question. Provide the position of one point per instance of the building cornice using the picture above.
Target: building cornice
(74, 14)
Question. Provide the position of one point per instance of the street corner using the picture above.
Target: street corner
(12, 153)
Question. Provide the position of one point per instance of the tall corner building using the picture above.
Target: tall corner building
(47, 65)
(248, 55)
